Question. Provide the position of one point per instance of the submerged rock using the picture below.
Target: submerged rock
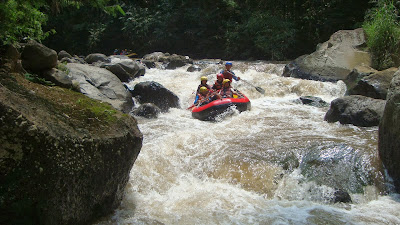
(147, 110)
(313, 101)
(65, 159)
(337, 166)
(389, 132)
(357, 110)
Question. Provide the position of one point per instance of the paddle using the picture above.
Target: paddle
(259, 89)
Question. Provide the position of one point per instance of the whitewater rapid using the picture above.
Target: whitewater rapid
(226, 172)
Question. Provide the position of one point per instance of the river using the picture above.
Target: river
(244, 168)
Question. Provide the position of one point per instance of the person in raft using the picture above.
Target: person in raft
(205, 97)
(226, 90)
(218, 83)
(203, 83)
(228, 74)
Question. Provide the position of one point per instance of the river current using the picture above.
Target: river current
(243, 169)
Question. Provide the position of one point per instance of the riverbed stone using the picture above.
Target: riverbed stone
(313, 101)
(357, 110)
(96, 57)
(389, 132)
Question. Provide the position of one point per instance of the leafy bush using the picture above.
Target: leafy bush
(20, 20)
(383, 34)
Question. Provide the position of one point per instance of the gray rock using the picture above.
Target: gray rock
(149, 64)
(37, 57)
(147, 110)
(58, 77)
(333, 60)
(63, 54)
(169, 61)
(389, 132)
(101, 84)
(313, 101)
(154, 57)
(374, 85)
(357, 110)
(193, 68)
(358, 73)
(96, 57)
(153, 92)
(126, 70)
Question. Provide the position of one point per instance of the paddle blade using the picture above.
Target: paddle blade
(262, 91)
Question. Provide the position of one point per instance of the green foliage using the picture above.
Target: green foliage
(98, 110)
(36, 79)
(20, 20)
(24, 19)
(264, 29)
(261, 35)
(383, 33)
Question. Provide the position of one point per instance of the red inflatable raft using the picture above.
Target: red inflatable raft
(216, 107)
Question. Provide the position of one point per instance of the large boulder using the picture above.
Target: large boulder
(389, 132)
(357, 110)
(101, 84)
(37, 57)
(125, 70)
(333, 60)
(65, 159)
(153, 92)
(374, 85)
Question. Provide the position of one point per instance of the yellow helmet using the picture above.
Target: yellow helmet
(226, 81)
(203, 89)
(203, 78)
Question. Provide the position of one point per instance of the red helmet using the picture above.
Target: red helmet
(220, 76)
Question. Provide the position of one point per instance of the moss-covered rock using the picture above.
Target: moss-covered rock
(64, 158)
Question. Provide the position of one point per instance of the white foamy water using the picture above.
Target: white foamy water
(230, 171)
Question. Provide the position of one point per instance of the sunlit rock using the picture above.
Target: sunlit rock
(101, 84)
(333, 60)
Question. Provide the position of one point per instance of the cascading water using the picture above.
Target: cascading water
(279, 163)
